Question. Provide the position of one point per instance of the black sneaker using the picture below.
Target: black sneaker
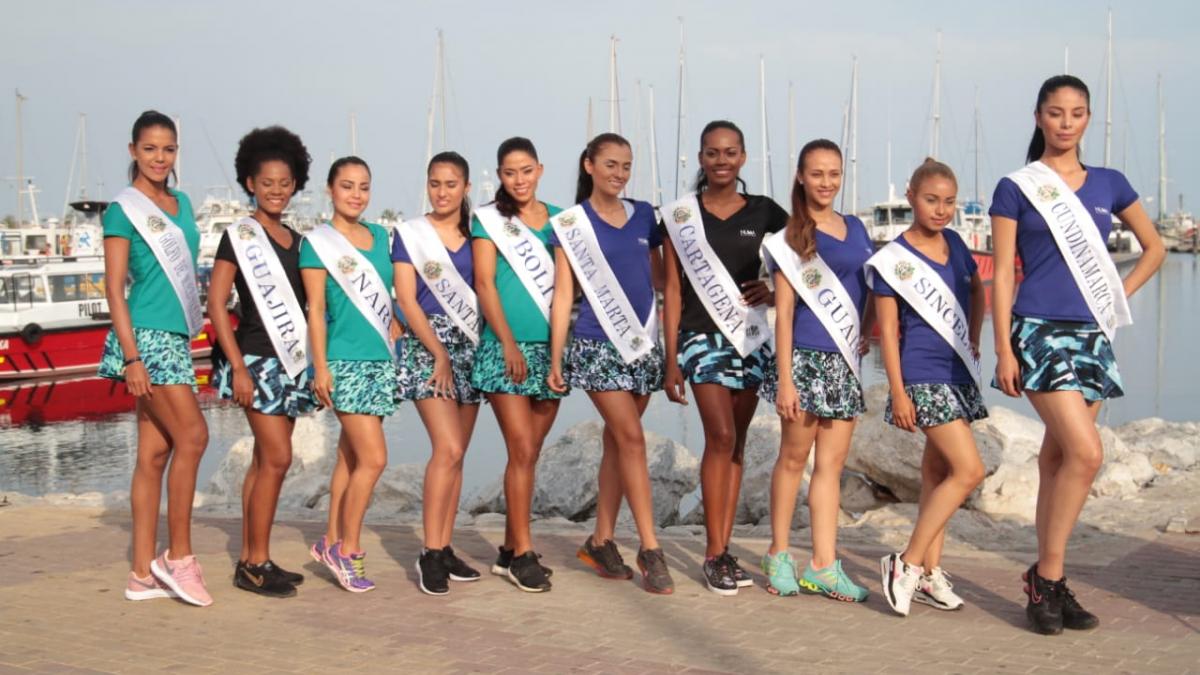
(504, 559)
(459, 570)
(528, 574)
(605, 559)
(655, 576)
(740, 576)
(1074, 616)
(1045, 607)
(432, 575)
(293, 578)
(265, 579)
(718, 577)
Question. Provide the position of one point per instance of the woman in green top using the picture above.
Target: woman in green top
(513, 358)
(149, 347)
(354, 371)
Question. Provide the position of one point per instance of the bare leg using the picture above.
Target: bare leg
(745, 402)
(524, 423)
(934, 470)
(145, 490)
(795, 440)
(443, 472)
(337, 489)
(467, 414)
(176, 409)
(273, 445)
(715, 404)
(825, 488)
(369, 450)
(608, 498)
(954, 443)
(247, 489)
(622, 413)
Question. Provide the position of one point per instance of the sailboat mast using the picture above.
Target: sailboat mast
(635, 179)
(679, 112)
(1108, 81)
(936, 130)
(978, 130)
(353, 133)
(590, 133)
(1066, 60)
(441, 61)
(655, 186)
(178, 153)
(762, 110)
(614, 110)
(791, 128)
(854, 135)
(20, 162)
(1162, 154)
(430, 114)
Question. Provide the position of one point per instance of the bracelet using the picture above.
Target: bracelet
(129, 362)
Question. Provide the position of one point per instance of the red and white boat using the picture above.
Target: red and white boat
(54, 317)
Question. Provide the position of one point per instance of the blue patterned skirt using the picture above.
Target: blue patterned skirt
(1065, 356)
(938, 404)
(364, 387)
(275, 392)
(709, 358)
(415, 366)
(596, 365)
(824, 383)
(488, 374)
(167, 357)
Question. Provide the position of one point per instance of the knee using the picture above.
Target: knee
(1090, 457)
(156, 462)
(191, 442)
(449, 455)
(970, 476)
(374, 464)
(792, 460)
(629, 439)
(720, 439)
(523, 454)
(275, 460)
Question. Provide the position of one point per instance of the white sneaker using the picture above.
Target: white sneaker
(934, 590)
(899, 582)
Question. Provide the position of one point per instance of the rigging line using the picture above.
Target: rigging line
(216, 156)
(1129, 127)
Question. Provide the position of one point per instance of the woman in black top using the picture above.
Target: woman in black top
(272, 165)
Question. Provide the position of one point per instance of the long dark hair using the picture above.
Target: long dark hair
(349, 160)
(464, 210)
(583, 184)
(505, 204)
(801, 229)
(148, 120)
(701, 183)
(1037, 144)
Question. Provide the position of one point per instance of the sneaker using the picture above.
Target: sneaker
(605, 559)
(935, 590)
(1074, 616)
(741, 576)
(1045, 607)
(349, 570)
(265, 579)
(459, 570)
(832, 582)
(655, 576)
(432, 575)
(528, 574)
(146, 589)
(718, 577)
(184, 577)
(319, 549)
(899, 581)
(293, 578)
(781, 574)
(504, 559)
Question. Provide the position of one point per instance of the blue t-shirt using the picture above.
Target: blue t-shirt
(627, 250)
(925, 358)
(846, 258)
(463, 262)
(1048, 290)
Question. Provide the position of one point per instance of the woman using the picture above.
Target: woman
(347, 273)
(263, 367)
(608, 247)
(718, 340)
(434, 276)
(821, 316)
(514, 280)
(1054, 341)
(150, 236)
(932, 380)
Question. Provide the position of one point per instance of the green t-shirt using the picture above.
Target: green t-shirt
(524, 318)
(349, 335)
(152, 300)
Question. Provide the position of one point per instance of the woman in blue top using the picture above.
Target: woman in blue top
(628, 237)
(149, 347)
(816, 394)
(1048, 342)
(436, 357)
(931, 388)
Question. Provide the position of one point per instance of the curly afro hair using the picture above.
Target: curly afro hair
(265, 145)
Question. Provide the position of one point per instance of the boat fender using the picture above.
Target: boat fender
(32, 334)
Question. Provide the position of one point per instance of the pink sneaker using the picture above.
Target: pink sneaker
(146, 589)
(184, 577)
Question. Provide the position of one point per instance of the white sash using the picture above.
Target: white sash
(277, 304)
(1079, 242)
(927, 293)
(746, 328)
(525, 253)
(432, 261)
(819, 287)
(611, 306)
(357, 278)
(170, 249)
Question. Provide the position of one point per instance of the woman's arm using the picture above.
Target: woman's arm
(673, 383)
(1153, 250)
(560, 317)
(978, 309)
(484, 253)
(219, 288)
(887, 313)
(787, 403)
(314, 289)
(116, 270)
(1004, 257)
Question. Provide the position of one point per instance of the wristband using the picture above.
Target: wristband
(129, 362)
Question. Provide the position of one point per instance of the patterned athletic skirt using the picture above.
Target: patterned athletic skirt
(488, 374)
(596, 365)
(1065, 356)
(275, 393)
(167, 357)
(824, 383)
(364, 387)
(939, 404)
(709, 358)
(416, 363)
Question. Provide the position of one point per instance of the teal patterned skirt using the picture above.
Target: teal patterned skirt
(939, 404)
(488, 374)
(167, 357)
(1065, 356)
(364, 387)
(275, 392)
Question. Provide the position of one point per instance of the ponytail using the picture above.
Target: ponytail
(464, 209)
(801, 230)
(1037, 144)
(505, 204)
(583, 184)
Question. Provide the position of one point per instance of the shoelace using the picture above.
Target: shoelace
(358, 568)
(612, 557)
(187, 571)
(941, 580)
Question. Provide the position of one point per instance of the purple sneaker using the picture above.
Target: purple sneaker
(319, 550)
(348, 570)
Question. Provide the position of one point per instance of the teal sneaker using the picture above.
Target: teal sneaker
(832, 582)
(781, 574)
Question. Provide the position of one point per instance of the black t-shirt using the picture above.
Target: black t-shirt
(252, 337)
(736, 242)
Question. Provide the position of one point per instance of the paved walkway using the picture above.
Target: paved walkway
(62, 573)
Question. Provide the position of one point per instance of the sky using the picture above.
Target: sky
(529, 68)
